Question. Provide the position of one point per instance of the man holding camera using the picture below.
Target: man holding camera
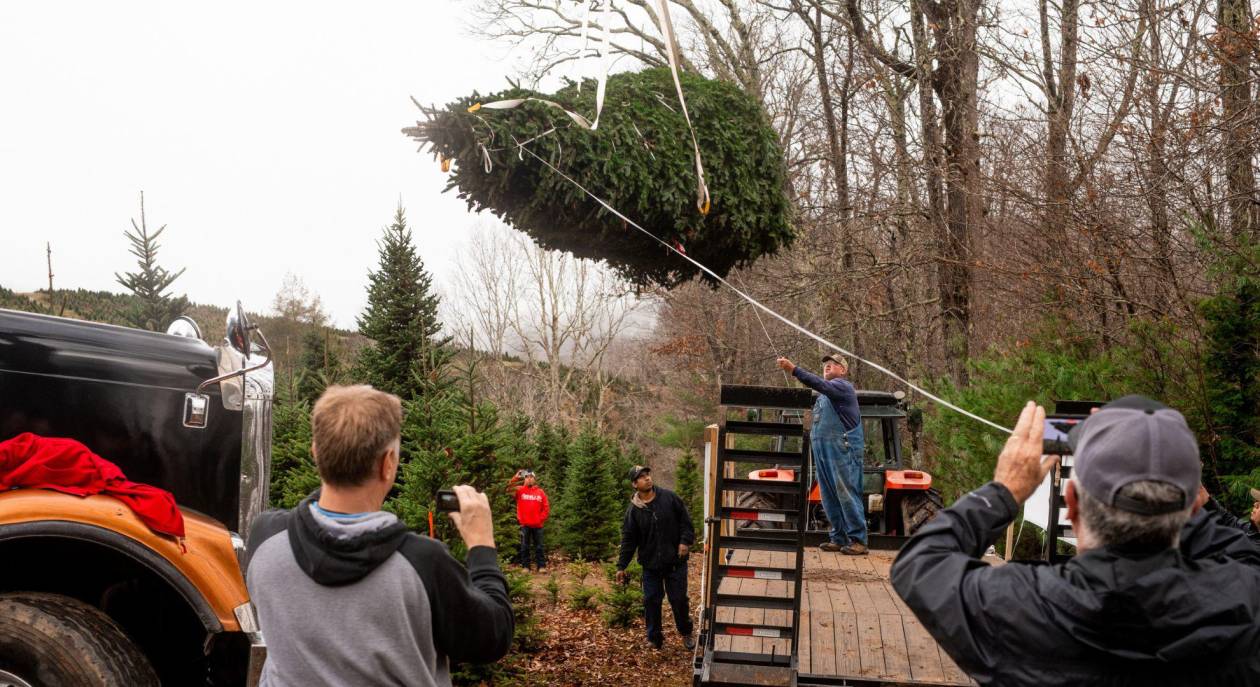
(838, 446)
(658, 527)
(1158, 592)
(532, 509)
(346, 595)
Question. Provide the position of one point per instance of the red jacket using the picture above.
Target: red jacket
(65, 465)
(532, 507)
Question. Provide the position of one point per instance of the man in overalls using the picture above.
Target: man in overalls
(838, 445)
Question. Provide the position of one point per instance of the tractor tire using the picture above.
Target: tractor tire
(52, 640)
(753, 499)
(919, 508)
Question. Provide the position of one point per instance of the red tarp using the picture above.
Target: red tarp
(65, 465)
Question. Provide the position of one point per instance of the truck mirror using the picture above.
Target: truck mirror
(196, 410)
(237, 330)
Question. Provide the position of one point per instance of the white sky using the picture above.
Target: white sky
(265, 135)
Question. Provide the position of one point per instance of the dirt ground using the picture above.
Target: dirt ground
(578, 649)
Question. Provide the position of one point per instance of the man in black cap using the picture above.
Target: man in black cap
(658, 526)
(1158, 592)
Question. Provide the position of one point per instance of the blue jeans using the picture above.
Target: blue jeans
(838, 464)
(657, 584)
(532, 542)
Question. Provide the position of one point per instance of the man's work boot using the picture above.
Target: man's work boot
(856, 548)
(655, 645)
(689, 642)
(830, 546)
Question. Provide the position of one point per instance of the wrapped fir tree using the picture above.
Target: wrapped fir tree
(639, 159)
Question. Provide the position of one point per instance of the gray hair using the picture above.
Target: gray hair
(1110, 526)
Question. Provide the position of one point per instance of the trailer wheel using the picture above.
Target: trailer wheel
(918, 508)
(56, 641)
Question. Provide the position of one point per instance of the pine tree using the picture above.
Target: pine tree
(318, 364)
(551, 450)
(155, 309)
(1232, 363)
(590, 517)
(401, 317)
(293, 472)
(687, 479)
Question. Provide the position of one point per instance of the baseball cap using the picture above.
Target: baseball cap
(837, 359)
(1255, 494)
(638, 471)
(1136, 439)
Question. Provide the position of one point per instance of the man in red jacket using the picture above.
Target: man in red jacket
(532, 509)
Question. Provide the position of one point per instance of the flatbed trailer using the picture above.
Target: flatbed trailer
(852, 628)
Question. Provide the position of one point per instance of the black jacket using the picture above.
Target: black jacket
(655, 528)
(1106, 617)
(1224, 517)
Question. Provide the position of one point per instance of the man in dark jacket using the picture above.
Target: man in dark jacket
(346, 595)
(1158, 593)
(658, 526)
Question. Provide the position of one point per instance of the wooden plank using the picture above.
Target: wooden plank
(882, 601)
(821, 636)
(803, 655)
(896, 655)
(862, 602)
(870, 645)
(848, 659)
(925, 657)
(841, 602)
(862, 564)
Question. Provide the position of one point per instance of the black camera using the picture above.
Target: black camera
(447, 501)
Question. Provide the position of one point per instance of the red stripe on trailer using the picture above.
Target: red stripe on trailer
(745, 631)
(744, 515)
(741, 572)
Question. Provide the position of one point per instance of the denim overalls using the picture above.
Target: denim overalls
(838, 455)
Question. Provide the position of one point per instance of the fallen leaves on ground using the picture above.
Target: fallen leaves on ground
(578, 649)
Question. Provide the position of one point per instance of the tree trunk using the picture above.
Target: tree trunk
(1060, 103)
(1234, 49)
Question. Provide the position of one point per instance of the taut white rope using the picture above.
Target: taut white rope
(758, 304)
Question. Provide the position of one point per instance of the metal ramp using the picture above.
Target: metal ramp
(768, 607)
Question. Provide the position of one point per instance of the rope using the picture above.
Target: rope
(757, 304)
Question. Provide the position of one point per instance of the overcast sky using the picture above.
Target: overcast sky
(265, 135)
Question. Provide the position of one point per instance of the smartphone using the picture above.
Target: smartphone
(1055, 440)
(447, 501)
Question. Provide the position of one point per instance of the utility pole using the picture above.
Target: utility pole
(50, 272)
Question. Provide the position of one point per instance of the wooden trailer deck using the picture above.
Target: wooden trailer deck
(854, 628)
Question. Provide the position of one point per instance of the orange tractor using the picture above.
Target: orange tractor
(898, 501)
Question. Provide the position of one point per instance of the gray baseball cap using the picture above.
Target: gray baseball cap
(1133, 439)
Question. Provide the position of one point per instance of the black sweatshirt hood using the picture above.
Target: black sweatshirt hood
(1157, 607)
(334, 555)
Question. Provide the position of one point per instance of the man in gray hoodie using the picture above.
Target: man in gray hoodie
(346, 595)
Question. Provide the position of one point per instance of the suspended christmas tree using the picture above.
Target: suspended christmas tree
(639, 159)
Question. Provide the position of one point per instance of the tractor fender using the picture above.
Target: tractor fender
(906, 480)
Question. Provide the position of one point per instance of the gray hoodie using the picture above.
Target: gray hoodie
(360, 600)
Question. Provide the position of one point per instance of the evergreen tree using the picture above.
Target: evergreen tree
(551, 447)
(401, 317)
(590, 517)
(449, 438)
(293, 472)
(155, 309)
(690, 488)
(318, 364)
(1232, 362)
